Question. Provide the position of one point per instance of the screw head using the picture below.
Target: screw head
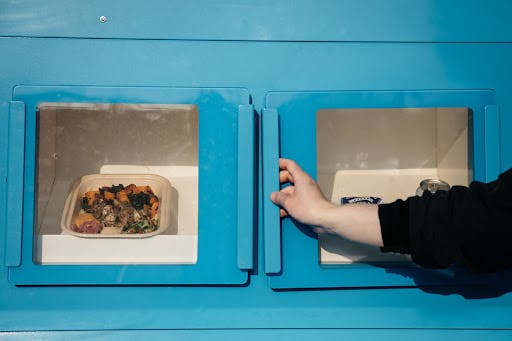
(103, 19)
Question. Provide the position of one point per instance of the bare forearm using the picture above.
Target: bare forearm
(356, 222)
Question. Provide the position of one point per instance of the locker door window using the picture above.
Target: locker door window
(381, 155)
(89, 158)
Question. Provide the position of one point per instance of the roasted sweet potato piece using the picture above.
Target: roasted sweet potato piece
(154, 208)
(153, 199)
(132, 189)
(109, 195)
(91, 195)
(145, 189)
(122, 196)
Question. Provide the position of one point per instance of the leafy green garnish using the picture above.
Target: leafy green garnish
(142, 226)
(138, 200)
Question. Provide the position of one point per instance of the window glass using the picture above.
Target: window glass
(385, 154)
(88, 156)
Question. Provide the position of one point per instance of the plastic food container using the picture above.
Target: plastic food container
(161, 188)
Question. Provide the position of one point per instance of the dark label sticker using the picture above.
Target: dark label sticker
(362, 200)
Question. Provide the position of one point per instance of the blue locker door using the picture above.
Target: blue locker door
(225, 150)
(289, 131)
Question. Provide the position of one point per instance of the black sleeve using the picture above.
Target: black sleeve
(473, 224)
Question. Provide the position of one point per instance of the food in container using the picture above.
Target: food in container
(118, 205)
(133, 209)
(86, 223)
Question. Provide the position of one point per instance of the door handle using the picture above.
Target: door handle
(246, 185)
(271, 219)
(492, 142)
(15, 174)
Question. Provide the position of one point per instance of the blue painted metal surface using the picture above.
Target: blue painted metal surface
(267, 20)
(273, 334)
(269, 46)
(217, 252)
(316, 66)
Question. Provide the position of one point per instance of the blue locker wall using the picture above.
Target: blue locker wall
(263, 46)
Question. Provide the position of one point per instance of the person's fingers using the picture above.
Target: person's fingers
(285, 176)
(282, 213)
(278, 198)
(288, 190)
(293, 168)
(288, 164)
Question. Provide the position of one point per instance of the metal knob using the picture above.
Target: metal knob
(432, 185)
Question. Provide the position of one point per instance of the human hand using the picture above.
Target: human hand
(303, 200)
